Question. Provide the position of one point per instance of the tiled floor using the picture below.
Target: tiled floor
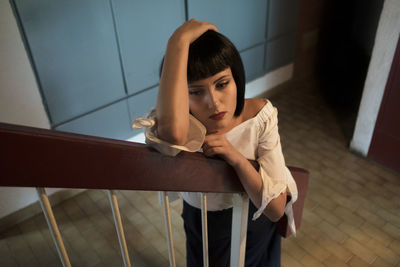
(351, 218)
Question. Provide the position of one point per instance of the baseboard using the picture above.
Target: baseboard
(35, 209)
(269, 81)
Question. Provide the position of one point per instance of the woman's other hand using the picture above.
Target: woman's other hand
(217, 144)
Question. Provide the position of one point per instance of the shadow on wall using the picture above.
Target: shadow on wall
(347, 39)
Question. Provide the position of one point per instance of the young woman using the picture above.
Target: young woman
(203, 80)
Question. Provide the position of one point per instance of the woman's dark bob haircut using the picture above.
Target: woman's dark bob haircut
(211, 53)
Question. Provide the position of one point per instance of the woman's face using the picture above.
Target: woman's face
(213, 101)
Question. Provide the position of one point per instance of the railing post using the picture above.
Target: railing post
(204, 228)
(168, 229)
(239, 229)
(51, 222)
(118, 225)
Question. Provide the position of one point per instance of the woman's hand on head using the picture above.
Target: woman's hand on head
(217, 144)
(191, 30)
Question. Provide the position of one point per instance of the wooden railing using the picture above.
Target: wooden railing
(33, 157)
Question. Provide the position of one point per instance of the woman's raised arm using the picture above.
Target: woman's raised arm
(172, 109)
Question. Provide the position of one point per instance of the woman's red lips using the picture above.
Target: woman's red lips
(217, 116)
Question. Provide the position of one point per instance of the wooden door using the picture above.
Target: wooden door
(385, 144)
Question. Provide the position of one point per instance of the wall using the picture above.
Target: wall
(20, 101)
(379, 68)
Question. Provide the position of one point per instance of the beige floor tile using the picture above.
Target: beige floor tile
(322, 200)
(332, 232)
(392, 216)
(392, 230)
(19, 249)
(310, 261)
(360, 250)
(327, 215)
(43, 253)
(311, 217)
(288, 261)
(348, 216)
(335, 248)
(357, 262)
(379, 262)
(384, 252)
(395, 246)
(354, 232)
(376, 233)
(314, 249)
(292, 248)
(309, 231)
(333, 261)
(310, 204)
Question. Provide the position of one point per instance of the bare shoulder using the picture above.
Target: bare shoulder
(252, 107)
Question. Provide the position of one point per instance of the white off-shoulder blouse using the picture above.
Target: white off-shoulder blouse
(257, 139)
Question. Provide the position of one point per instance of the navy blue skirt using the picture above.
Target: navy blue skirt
(263, 244)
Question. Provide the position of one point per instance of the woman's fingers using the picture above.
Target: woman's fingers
(215, 145)
(192, 29)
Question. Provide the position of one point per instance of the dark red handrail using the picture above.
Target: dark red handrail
(33, 157)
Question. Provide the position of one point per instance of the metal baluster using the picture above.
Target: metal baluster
(118, 225)
(204, 228)
(168, 229)
(51, 221)
(239, 229)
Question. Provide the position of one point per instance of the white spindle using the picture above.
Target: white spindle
(239, 229)
(118, 225)
(204, 228)
(51, 222)
(168, 229)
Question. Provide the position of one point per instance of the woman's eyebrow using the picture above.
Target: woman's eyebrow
(220, 78)
(194, 86)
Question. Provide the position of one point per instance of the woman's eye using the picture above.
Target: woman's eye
(222, 84)
(194, 92)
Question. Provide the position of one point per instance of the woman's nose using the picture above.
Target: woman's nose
(212, 99)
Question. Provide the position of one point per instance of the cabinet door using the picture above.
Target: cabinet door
(112, 121)
(143, 29)
(243, 22)
(74, 52)
(385, 143)
(280, 51)
(283, 17)
(141, 104)
(253, 61)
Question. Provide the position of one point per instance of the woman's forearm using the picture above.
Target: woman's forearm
(253, 185)
(172, 109)
(173, 101)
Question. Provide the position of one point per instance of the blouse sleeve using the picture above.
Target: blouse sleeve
(275, 175)
(195, 139)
